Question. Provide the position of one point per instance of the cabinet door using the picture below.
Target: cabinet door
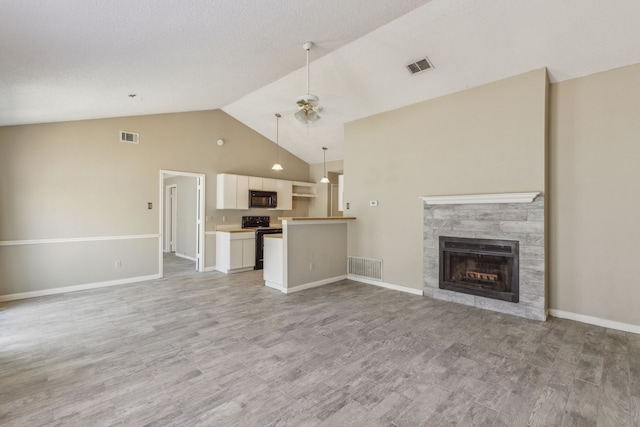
(248, 253)
(268, 184)
(222, 251)
(242, 192)
(256, 183)
(285, 199)
(226, 197)
(340, 192)
(235, 254)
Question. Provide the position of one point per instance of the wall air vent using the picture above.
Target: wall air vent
(419, 66)
(364, 267)
(129, 137)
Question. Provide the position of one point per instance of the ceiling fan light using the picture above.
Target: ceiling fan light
(312, 116)
(308, 99)
(301, 116)
(308, 103)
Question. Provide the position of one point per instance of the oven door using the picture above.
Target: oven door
(260, 246)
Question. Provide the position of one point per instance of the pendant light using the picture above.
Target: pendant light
(324, 179)
(277, 166)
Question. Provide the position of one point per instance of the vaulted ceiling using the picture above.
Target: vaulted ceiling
(77, 59)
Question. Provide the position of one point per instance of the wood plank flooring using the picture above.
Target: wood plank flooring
(214, 350)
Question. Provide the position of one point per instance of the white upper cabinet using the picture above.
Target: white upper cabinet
(340, 193)
(269, 184)
(232, 191)
(284, 189)
(255, 183)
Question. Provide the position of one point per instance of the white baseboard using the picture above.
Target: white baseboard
(591, 320)
(412, 291)
(185, 257)
(313, 284)
(275, 286)
(54, 291)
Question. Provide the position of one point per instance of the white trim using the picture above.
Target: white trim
(54, 291)
(314, 222)
(184, 256)
(200, 241)
(275, 286)
(233, 270)
(591, 320)
(311, 285)
(480, 198)
(77, 239)
(391, 286)
(170, 219)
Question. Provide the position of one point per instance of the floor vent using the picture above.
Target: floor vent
(419, 66)
(129, 137)
(364, 267)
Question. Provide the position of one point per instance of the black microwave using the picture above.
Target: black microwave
(263, 199)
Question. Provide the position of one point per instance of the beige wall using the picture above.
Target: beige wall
(489, 139)
(76, 179)
(595, 211)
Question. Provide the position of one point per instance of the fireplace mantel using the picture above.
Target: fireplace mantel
(481, 198)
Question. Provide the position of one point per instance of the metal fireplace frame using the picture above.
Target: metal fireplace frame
(485, 248)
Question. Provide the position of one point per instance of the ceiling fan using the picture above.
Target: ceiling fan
(308, 104)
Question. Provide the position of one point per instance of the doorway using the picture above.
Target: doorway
(181, 219)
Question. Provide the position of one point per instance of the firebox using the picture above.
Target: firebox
(483, 267)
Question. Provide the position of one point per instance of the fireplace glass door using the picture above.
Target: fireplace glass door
(482, 267)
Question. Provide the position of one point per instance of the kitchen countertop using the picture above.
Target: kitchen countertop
(273, 236)
(317, 218)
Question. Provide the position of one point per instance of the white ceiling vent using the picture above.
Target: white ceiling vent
(420, 65)
(129, 137)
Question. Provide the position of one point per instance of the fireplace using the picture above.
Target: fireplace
(483, 267)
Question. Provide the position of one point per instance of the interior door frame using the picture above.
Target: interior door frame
(171, 218)
(200, 205)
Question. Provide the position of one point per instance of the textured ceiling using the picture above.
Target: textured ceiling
(78, 59)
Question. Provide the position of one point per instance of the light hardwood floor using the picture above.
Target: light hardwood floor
(216, 350)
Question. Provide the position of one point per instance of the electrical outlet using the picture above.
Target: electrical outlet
(118, 264)
(310, 266)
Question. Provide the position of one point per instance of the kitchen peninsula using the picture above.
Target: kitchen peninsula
(310, 252)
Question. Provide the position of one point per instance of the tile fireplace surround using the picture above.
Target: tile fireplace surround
(512, 216)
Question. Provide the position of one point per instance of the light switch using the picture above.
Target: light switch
(373, 203)
(149, 205)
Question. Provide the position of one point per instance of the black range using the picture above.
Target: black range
(262, 226)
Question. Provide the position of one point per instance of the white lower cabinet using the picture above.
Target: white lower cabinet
(273, 273)
(235, 251)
